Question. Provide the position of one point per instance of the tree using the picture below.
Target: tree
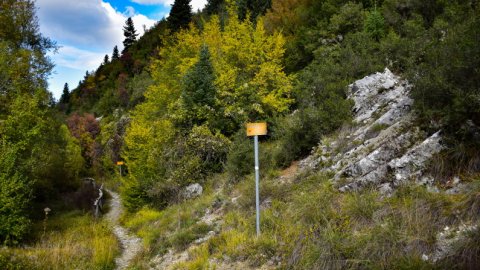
(27, 128)
(105, 59)
(198, 90)
(129, 33)
(86, 129)
(180, 15)
(375, 25)
(217, 79)
(214, 6)
(64, 99)
(115, 54)
(253, 7)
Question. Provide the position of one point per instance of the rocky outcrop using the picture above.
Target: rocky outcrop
(192, 191)
(382, 148)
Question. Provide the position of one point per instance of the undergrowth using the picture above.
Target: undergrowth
(308, 224)
(72, 240)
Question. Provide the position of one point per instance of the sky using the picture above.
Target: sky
(86, 30)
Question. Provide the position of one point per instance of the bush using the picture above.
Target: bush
(446, 84)
(241, 157)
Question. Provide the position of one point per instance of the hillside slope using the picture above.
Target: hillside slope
(363, 199)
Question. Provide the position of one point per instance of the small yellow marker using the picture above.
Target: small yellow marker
(255, 130)
(119, 164)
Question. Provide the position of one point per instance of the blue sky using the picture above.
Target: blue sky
(86, 30)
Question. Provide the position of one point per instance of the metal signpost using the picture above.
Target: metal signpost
(119, 164)
(256, 129)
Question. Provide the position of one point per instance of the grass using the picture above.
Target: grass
(175, 227)
(311, 225)
(73, 240)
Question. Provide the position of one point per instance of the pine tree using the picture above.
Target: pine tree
(180, 15)
(253, 7)
(130, 34)
(213, 6)
(65, 95)
(115, 55)
(106, 59)
(199, 91)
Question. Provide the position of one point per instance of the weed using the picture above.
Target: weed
(72, 241)
(374, 130)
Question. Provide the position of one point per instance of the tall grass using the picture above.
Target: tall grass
(309, 224)
(72, 241)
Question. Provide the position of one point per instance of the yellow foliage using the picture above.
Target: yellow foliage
(247, 64)
(249, 79)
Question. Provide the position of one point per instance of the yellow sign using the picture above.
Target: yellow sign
(120, 163)
(254, 129)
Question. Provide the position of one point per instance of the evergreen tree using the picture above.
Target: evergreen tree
(198, 92)
(115, 55)
(214, 6)
(253, 7)
(180, 15)
(65, 98)
(130, 34)
(106, 59)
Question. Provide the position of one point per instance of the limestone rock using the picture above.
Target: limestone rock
(192, 191)
(382, 148)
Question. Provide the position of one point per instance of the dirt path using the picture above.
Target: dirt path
(131, 245)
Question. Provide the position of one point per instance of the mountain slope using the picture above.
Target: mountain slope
(359, 201)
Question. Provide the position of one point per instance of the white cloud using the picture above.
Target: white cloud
(129, 11)
(78, 59)
(86, 30)
(196, 4)
(87, 23)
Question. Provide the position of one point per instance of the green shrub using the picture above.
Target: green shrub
(240, 158)
(446, 83)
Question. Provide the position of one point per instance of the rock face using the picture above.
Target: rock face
(382, 148)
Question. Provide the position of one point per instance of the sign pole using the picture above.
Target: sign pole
(254, 130)
(119, 164)
(257, 180)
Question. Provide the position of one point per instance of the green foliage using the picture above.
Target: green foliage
(375, 24)
(240, 156)
(210, 148)
(214, 6)
(198, 93)
(252, 8)
(197, 100)
(115, 54)
(183, 238)
(447, 81)
(175, 226)
(65, 94)
(349, 19)
(180, 15)
(15, 195)
(130, 34)
(74, 162)
(32, 161)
